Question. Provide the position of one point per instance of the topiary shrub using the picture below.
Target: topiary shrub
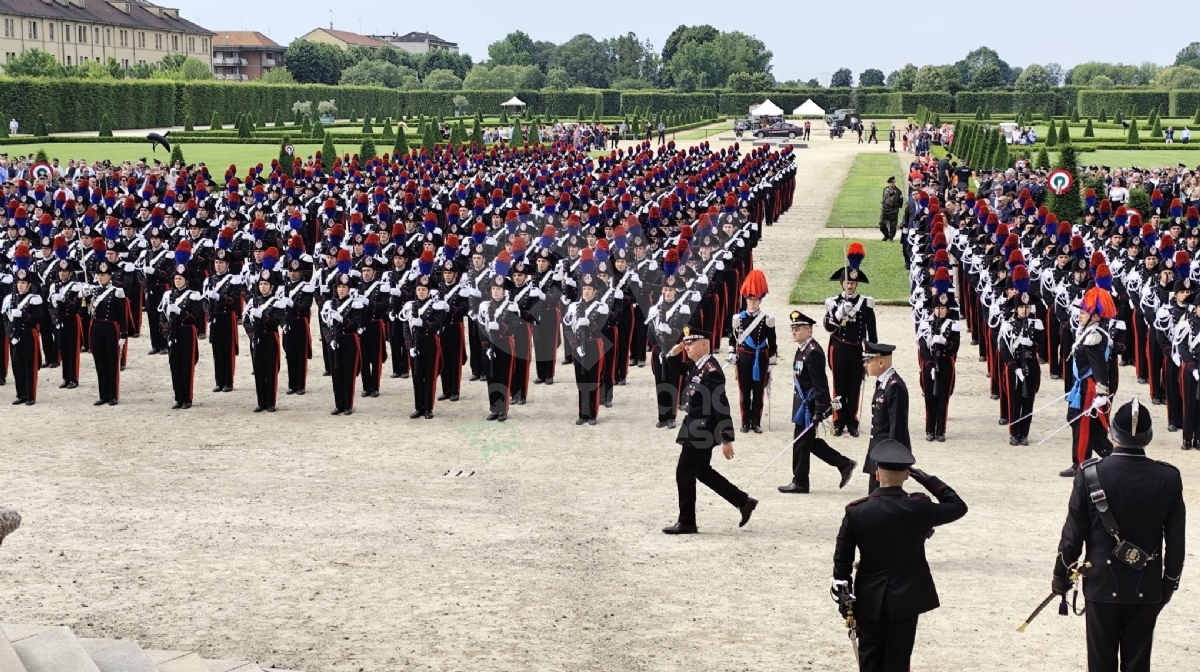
(353, 117)
(215, 125)
(1064, 133)
(1156, 131)
(41, 157)
(366, 151)
(1196, 119)
(317, 131)
(1075, 113)
(477, 133)
(401, 146)
(187, 125)
(284, 160)
(39, 128)
(1087, 130)
(1140, 201)
(1068, 206)
(328, 152)
(388, 133)
(278, 119)
(366, 127)
(105, 127)
(1103, 118)
(177, 154)
(1043, 159)
(1132, 138)
(306, 127)
(1052, 136)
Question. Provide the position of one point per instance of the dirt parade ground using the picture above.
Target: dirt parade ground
(378, 543)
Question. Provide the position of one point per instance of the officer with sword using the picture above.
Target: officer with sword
(893, 585)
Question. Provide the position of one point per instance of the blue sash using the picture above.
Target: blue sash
(804, 415)
(757, 348)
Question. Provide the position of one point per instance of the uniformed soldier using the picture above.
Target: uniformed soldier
(850, 319)
(265, 313)
(223, 295)
(1122, 508)
(454, 290)
(667, 320)
(66, 302)
(297, 337)
(754, 348)
(1087, 400)
(811, 404)
(584, 323)
(22, 311)
(496, 324)
(341, 318)
(423, 319)
(938, 339)
(893, 586)
(374, 327)
(1020, 339)
(889, 403)
(177, 323)
(109, 329)
(706, 425)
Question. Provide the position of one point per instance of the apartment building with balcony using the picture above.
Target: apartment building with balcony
(78, 31)
(418, 43)
(244, 55)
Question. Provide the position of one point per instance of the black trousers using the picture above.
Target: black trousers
(107, 356)
(182, 355)
(1191, 403)
(373, 354)
(499, 373)
(751, 391)
(1124, 631)
(638, 341)
(4, 353)
(49, 339)
(26, 360)
(154, 297)
(667, 382)
(70, 337)
(399, 352)
(478, 351)
(589, 376)
(545, 343)
(886, 646)
(696, 465)
(223, 336)
(424, 373)
(937, 384)
(453, 352)
(810, 444)
(266, 368)
(522, 353)
(297, 348)
(344, 362)
(845, 363)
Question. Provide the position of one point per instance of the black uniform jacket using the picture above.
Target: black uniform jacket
(889, 416)
(1146, 500)
(808, 366)
(708, 422)
(889, 529)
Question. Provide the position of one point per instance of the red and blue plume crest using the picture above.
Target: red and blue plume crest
(270, 258)
(45, 227)
(1098, 301)
(225, 239)
(941, 259)
(450, 249)
(336, 234)
(855, 255)
(587, 262)
(503, 263)
(21, 258)
(344, 263)
(295, 247)
(98, 249)
(295, 222)
(518, 249)
(183, 253)
(1042, 214)
(371, 245)
(1156, 199)
(1077, 249)
(1014, 257)
(1020, 278)
(1149, 235)
(547, 239)
(1089, 198)
(1122, 216)
(1103, 277)
(941, 281)
(1166, 247)
(112, 228)
(61, 249)
(430, 223)
(602, 250)
(1176, 208)
(1064, 232)
(1183, 264)
(670, 263)
(478, 233)
(1193, 216)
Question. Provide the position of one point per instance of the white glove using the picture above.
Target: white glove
(579, 351)
(211, 294)
(537, 293)
(1100, 401)
(773, 361)
(664, 328)
(493, 326)
(395, 291)
(1025, 340)
(840, 311)
(120, 344)
(15, 312)
(618, 294)
(412, 352)
(416, 322)
(939, 340)
(732, 357)
(1175, 358)
(602, 309)
(1020, 375)
(1196, 374)
(174, 309)
(335, 316)
(286, 302)
(127, 267)
(583, 322)
(59, 296)
(256, 313)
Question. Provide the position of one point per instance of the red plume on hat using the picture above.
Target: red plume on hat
(755, 284)
(1098, 301)
(1097, 259)
(1181, 257)
(587, 255)
(397, 229)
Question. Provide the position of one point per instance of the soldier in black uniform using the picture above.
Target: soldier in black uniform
(811, 404)
(893, 586)
(264, 315)
(938, 339)
(109, 329)
(706, 425)
(297, 337)
(753, 346)
(455, 292)
(65, 302)
(423, 319)
(889, 404)
(667, 319)
(177, 322)
(1122, 508)
(374, 334)
(850, 319)
(496, 324)
(22, 313)
(1020, 339)
(341, 317)
(223, 294)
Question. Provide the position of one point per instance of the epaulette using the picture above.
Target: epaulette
(858, 501)
(1090, 462)
(917, 495)
(770, 320)
(870, 302)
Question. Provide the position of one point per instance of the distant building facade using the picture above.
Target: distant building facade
(418, 43)
(244, 55)
(343, 39)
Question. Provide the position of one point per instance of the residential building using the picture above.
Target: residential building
(78, 31)
(242, 55)
(418, 43)
(343, 39)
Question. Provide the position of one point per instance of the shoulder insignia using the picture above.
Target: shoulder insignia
(1090, 462)
(35, 300)
(120, 293)
(770, 320)
(870, 302)
(917, 495)
(830, 304)
(858, 501)
(1093, 338)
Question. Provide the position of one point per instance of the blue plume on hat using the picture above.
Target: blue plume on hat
(295, 222)
(503, 263)
(182, 256)
(44, 230)
(112, 230)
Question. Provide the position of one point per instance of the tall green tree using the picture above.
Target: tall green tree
(1064, 133)
(315, 62)
(401, 146)
(1068, 207)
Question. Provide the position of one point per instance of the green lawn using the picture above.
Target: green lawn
(857, 205)
(1142, 158)
(883, 265)
(211, 154)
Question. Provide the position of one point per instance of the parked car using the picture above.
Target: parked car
(781, 129)
(847, 117)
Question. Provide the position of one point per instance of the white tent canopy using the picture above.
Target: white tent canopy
(513, 102)
(809, 109)
(766, 109)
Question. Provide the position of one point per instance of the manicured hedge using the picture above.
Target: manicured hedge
(1139, 101)
(882, 103)
(1184, 103)
(1037, 103)
(79, 105)
(995, 102)
(201, 99)
(661, 101)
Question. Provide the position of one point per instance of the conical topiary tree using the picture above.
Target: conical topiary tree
(177, 154)
(105, 127)
(1153, 116)
(317, 131)
(366, 151)
(979, 113)
(1132, 138)
(1001, 160)
(458, 135)
(477, 133)
(1156, 131)
(388, 133)
(1052, 136)
(278, 119)
(1103, 118)
(306, 126)
(1067, 206)
(1075, 114)
(353, 116)
(215, 125)
(366, 127)
(504, 116)
(284, 159)
(39, 127)
(1087, 130)
(1064, 134)
(41, 156)
(518, 137)
(535, 135)
(187, 124)
(1196, 119)
(1043, 159)
(401, 146)
(433, 136)
(328, 152)
(1120, 118)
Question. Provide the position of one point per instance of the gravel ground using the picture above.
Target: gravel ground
(307, 541)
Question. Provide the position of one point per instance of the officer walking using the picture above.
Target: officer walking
(889, 215)
(889, 404)
(810, 405)
(1122, 508)
(707, 422)
(893, 586)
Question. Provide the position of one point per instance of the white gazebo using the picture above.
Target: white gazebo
(513, 102)
(809, 109)
(766, 109)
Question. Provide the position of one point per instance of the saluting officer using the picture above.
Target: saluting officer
(893, 586)
(1122, 508)
(810, 405)
(850, 319)
(889, 404)
(706, 424)
(754, 348)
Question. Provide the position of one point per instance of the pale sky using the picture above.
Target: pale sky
(808, 40)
